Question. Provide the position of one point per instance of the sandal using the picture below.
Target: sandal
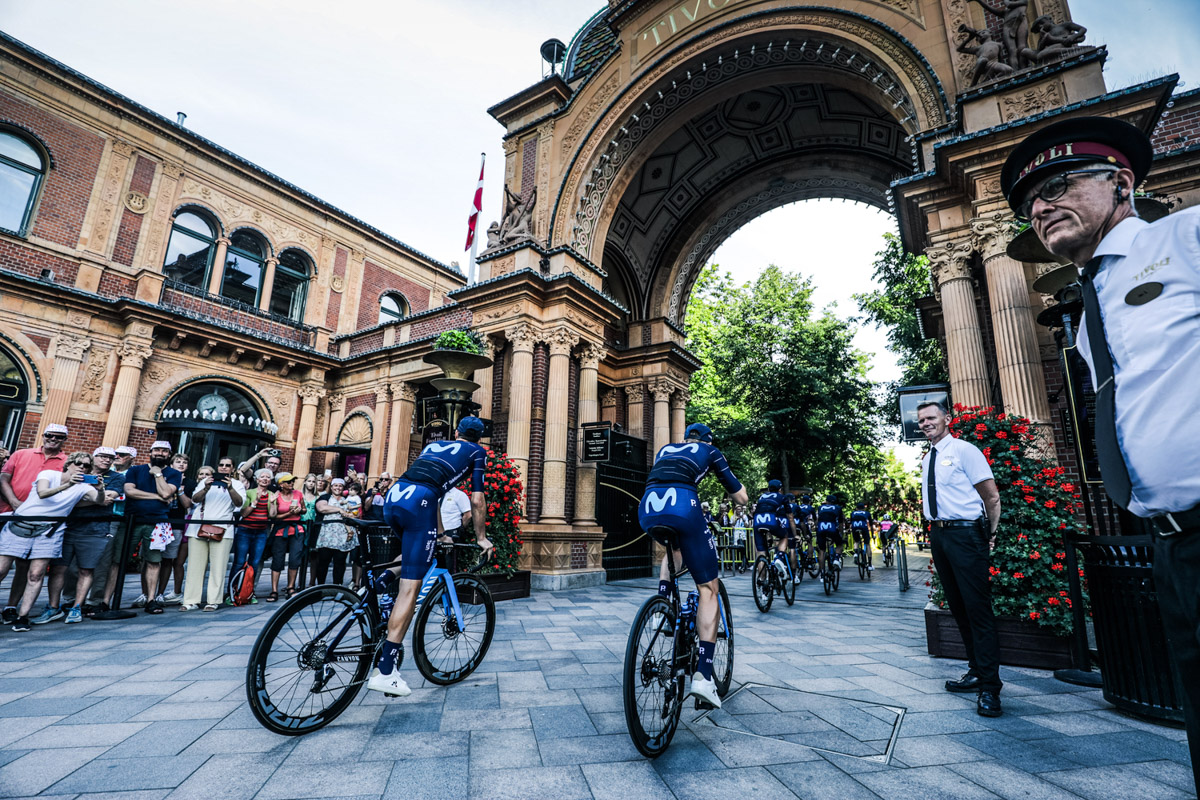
(288, 594)
(272, 597)
(188, 607)
(210, 607)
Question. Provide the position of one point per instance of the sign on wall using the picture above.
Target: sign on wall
(597, 441)
(913, 396)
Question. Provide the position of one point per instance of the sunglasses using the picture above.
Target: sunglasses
(59, 436)
(82, 463)
(1053, 189)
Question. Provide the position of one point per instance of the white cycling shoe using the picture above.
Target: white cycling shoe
(705, 690)
(388, 684)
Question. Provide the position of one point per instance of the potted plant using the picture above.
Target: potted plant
(503, 495)
(1028, 565)
(458, 353)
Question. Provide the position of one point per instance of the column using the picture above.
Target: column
(520, 394)
(218, 265)
(404, 396)
(635, 395)
(1022, 384)
(608, 405)
(561, 340)
(378, 431)
(679, 402)
(268, 284)
(68, 354)
(133, 352)
(483, 395)
(585, 472)
(337, 415)
(310, 396)
(661, 391)
(950, 265)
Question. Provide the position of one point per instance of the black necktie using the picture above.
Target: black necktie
(931, 488)
(1113, 470)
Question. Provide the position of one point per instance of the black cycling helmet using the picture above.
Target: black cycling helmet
(831, 499)
(470, 424)
(860, 505)
(774, 485)
(698, 430)
(791, 498)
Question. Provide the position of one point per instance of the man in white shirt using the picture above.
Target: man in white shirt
(455, 510)
(1140, 334)
(957, 488)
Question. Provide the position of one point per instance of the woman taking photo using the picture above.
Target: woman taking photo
(287, 534)
(218, 494)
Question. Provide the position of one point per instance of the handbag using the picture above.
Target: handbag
(212, 533)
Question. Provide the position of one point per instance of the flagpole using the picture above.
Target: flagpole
(473, 270)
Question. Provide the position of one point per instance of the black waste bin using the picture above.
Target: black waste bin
(1139, 675)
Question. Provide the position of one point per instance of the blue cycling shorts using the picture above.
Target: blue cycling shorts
(769, 525)
(678, 508)
(411, 510)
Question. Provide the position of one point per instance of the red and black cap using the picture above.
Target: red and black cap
(1070, 143)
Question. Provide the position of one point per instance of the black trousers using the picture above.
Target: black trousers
(961, 558)
(1177, 581)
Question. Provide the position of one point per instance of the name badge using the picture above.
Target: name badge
(1143, 293)
(947, 463)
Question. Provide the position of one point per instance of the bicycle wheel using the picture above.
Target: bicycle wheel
(837, 578)
(827, 580)
(763, 584)
(444, 652)
(652, 695)
(723, 654)
(294, 683)
(860, 558)
(789, 588)
(814, 567)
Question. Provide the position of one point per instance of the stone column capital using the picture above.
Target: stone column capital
(337, 402)
(950, 261)
(680, 399)
(561, 340)
(171, 169)
(522, 337)
(271, 261)
(403, 390)
(991, 233)
(661, 390)
(591, 355)
(610, 397)
(71, 347)
(311, 393)
(134, 353)
(635, 393)
(122, 147)
(382, 393)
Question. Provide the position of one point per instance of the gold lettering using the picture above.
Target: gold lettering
(1070, 148)
(692, 11)
(1055, 152)
(691, 15)
(715, 7)
(1041, 159)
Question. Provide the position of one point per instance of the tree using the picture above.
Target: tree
(782, 386)
(906, 279)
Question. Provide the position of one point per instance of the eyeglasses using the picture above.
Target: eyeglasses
(1053, 189)
(59, 436)
(82, 463)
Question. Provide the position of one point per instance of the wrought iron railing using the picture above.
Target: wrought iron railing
(242, 317)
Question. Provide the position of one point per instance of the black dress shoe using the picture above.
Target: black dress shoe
(988, 704)
(968, 683)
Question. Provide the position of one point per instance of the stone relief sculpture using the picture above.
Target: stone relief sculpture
(517, 222)
(1056, 38)
(990, 63)
(1014, 28)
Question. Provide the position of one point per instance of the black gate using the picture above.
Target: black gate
(619, 486)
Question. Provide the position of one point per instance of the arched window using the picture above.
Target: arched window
(244, 263)
(392, 306)
(190, 250)
(291, 285)
(21, 170)
(14, 393)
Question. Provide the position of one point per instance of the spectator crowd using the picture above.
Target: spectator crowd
(68, 518)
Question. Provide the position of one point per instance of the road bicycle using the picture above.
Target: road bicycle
(860, 558)
(889, 550)
(832, 577)
(772, 576)
(315, 653)
(806, 556)
(662, 654)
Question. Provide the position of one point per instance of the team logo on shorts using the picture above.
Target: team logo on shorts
(656, 503)
(396, 494)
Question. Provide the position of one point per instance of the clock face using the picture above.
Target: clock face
(213, 404)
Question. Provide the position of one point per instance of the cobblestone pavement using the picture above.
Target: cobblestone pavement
(154, 707)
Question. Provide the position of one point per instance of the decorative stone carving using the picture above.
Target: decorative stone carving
(1057, 40)
(93, 377)
(950, 262)
(635, 393)
(561, 340)
(235, 354)
(584, 322)
(262, 362)
(311, 393)
(133, 353)
(591, 355)
(500, 313)
(521, 337)
(585, 115)
(661, 390)
(403, 390)
(71, 347)
(610, 398)
(207, 348)
(77, 319)
(1014, 29)
(122, 148)
(1034, 100)
(337, 402)
(137, 202)
(382, 393)
(337, 283)
(286, 368)
(283, 397)
(172, 170)
(990, 64)
(680, 399)
(517, 224)
(177, 340)
(991, 233)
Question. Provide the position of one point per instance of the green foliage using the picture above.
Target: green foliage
(782, 386)
(905, 278)
(1028, 569)
(503, 494)
(467, 341)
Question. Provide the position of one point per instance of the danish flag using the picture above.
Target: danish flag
(476, 205)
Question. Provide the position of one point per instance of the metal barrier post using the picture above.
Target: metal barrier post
(116, 612)
(902, 563)
(1080, 673)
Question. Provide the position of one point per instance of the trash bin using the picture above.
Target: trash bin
(1138, 673)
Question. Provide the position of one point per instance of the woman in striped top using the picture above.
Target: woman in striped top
(255, 525)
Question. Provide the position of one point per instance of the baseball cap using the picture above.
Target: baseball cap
(284, 477)
(127, 451)
(104, 451)
(161, 444)
(55, 427)
(698, 430)
(468, 424)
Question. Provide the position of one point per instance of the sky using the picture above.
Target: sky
(379, 106)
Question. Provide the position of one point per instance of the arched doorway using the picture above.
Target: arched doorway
(14, 393)
(208, 420)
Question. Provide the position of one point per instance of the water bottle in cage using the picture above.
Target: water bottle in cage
(690, 606)
(386, 601)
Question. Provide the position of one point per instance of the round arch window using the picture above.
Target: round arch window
(14, 393)
(392, 307)
(212, 402)
(245, 260)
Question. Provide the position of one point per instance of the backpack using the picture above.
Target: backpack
(241, 588)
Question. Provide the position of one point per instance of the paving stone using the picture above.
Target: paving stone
(429, 779)
(1010, 782)
(485, 720)
(126, 774)
(230, 776)
(98, 735)
(1171, 773)
(629, 780)
(161, 739)
(530, 783)
(927, 783)
(1100, 783)
(330, 745)
(558, 722)
(587, 750)
(820, 779)
(395, 747)
(410, 719)
(36, 771)
(326, 781)
(744, 782)
(504, 749)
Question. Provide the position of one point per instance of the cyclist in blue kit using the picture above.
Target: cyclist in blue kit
(671, 501)
(860, 526)
(411, 509)
(830, 521)
(772, 518)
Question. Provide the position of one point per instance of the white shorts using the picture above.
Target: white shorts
(32, 547)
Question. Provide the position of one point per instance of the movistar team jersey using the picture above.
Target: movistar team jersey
(442, 465)
(860, 519)
(685, 465)
(771, 503)
(804, 511)
(829, 517)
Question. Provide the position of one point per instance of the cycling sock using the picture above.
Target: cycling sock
(389, 657)
(705, 667)
(664, 588)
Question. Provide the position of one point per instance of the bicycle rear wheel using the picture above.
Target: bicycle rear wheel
(723, 654)
(837, 578)
(763, 584)
(827, 579)
(789, 588)
(444, 652)
(294, 683)
(651, 693)
(860, 558)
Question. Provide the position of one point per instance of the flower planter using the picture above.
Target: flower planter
(1022, 643)
(503, 587)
